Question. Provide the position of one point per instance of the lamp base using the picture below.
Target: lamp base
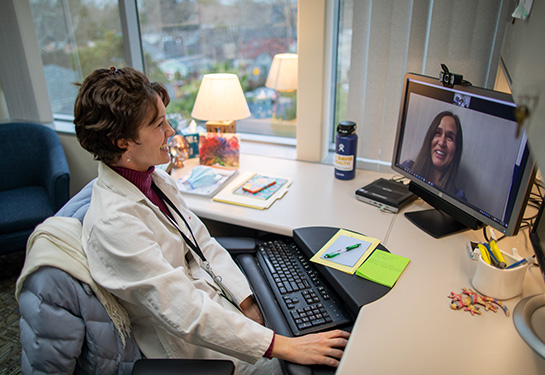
(221, 126)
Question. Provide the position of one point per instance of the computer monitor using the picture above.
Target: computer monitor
(463, 153)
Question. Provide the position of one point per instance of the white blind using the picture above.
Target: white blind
(381, 40)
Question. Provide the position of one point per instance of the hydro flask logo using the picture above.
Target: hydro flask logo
(341, 147)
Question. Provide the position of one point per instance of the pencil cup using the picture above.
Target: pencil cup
(499, 283)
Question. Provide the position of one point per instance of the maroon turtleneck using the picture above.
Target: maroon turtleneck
(142, 180)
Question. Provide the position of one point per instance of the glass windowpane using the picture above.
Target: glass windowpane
(75, 38)
(182, 40)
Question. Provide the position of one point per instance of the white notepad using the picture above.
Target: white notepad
(228, 195)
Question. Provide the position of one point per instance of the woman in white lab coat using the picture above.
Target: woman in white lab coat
(184, 294)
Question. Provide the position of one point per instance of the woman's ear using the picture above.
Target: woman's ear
(122, 143)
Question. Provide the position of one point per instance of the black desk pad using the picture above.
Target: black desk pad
(354, 290)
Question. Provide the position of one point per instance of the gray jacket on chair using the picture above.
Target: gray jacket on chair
(64, 328)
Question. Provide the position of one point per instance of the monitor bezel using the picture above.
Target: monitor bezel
(434, 194)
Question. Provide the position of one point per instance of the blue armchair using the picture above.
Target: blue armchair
(35, 181)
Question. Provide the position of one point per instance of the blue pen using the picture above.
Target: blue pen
(522, 261)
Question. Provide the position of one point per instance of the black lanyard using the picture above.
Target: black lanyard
(194, 245)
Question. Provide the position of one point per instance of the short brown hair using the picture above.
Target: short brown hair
(112, 104)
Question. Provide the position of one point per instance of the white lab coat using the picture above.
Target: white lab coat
(137, 254)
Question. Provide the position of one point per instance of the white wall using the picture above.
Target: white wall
(83, 168)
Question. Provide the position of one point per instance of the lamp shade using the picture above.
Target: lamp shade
(283, 73)
(220, 98)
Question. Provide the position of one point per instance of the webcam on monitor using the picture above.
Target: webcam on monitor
(449, 79)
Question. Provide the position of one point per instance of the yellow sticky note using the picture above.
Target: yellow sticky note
(383, 267)
(352, 248)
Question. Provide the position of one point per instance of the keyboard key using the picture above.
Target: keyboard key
(317, 322)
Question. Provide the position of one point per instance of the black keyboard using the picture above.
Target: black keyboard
(307, 302)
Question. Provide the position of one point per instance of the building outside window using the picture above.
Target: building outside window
(180, 41)
(75, 37)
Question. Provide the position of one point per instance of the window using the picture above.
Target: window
(75, 38)
(180, 41)
(377, 42)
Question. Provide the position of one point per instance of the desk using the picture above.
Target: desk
(414, 324)
(412, 329)
(315, 198)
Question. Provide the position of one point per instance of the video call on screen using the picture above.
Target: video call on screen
(492, 153)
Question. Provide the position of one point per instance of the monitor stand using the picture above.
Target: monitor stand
(435, 222)
(529, 319)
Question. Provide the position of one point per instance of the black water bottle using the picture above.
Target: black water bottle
(346, 150)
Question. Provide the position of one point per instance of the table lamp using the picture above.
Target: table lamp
(220, 101)
(283, 74)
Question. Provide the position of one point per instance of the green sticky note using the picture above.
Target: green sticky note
(383, 267)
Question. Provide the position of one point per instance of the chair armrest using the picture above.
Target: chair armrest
(183, 366)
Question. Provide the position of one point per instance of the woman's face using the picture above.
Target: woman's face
(443, 143)
(152, 146)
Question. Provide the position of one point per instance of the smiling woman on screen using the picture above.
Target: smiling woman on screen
(439, 157)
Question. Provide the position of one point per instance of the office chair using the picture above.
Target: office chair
(81, 338)
(35, 181)
(99, 350)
